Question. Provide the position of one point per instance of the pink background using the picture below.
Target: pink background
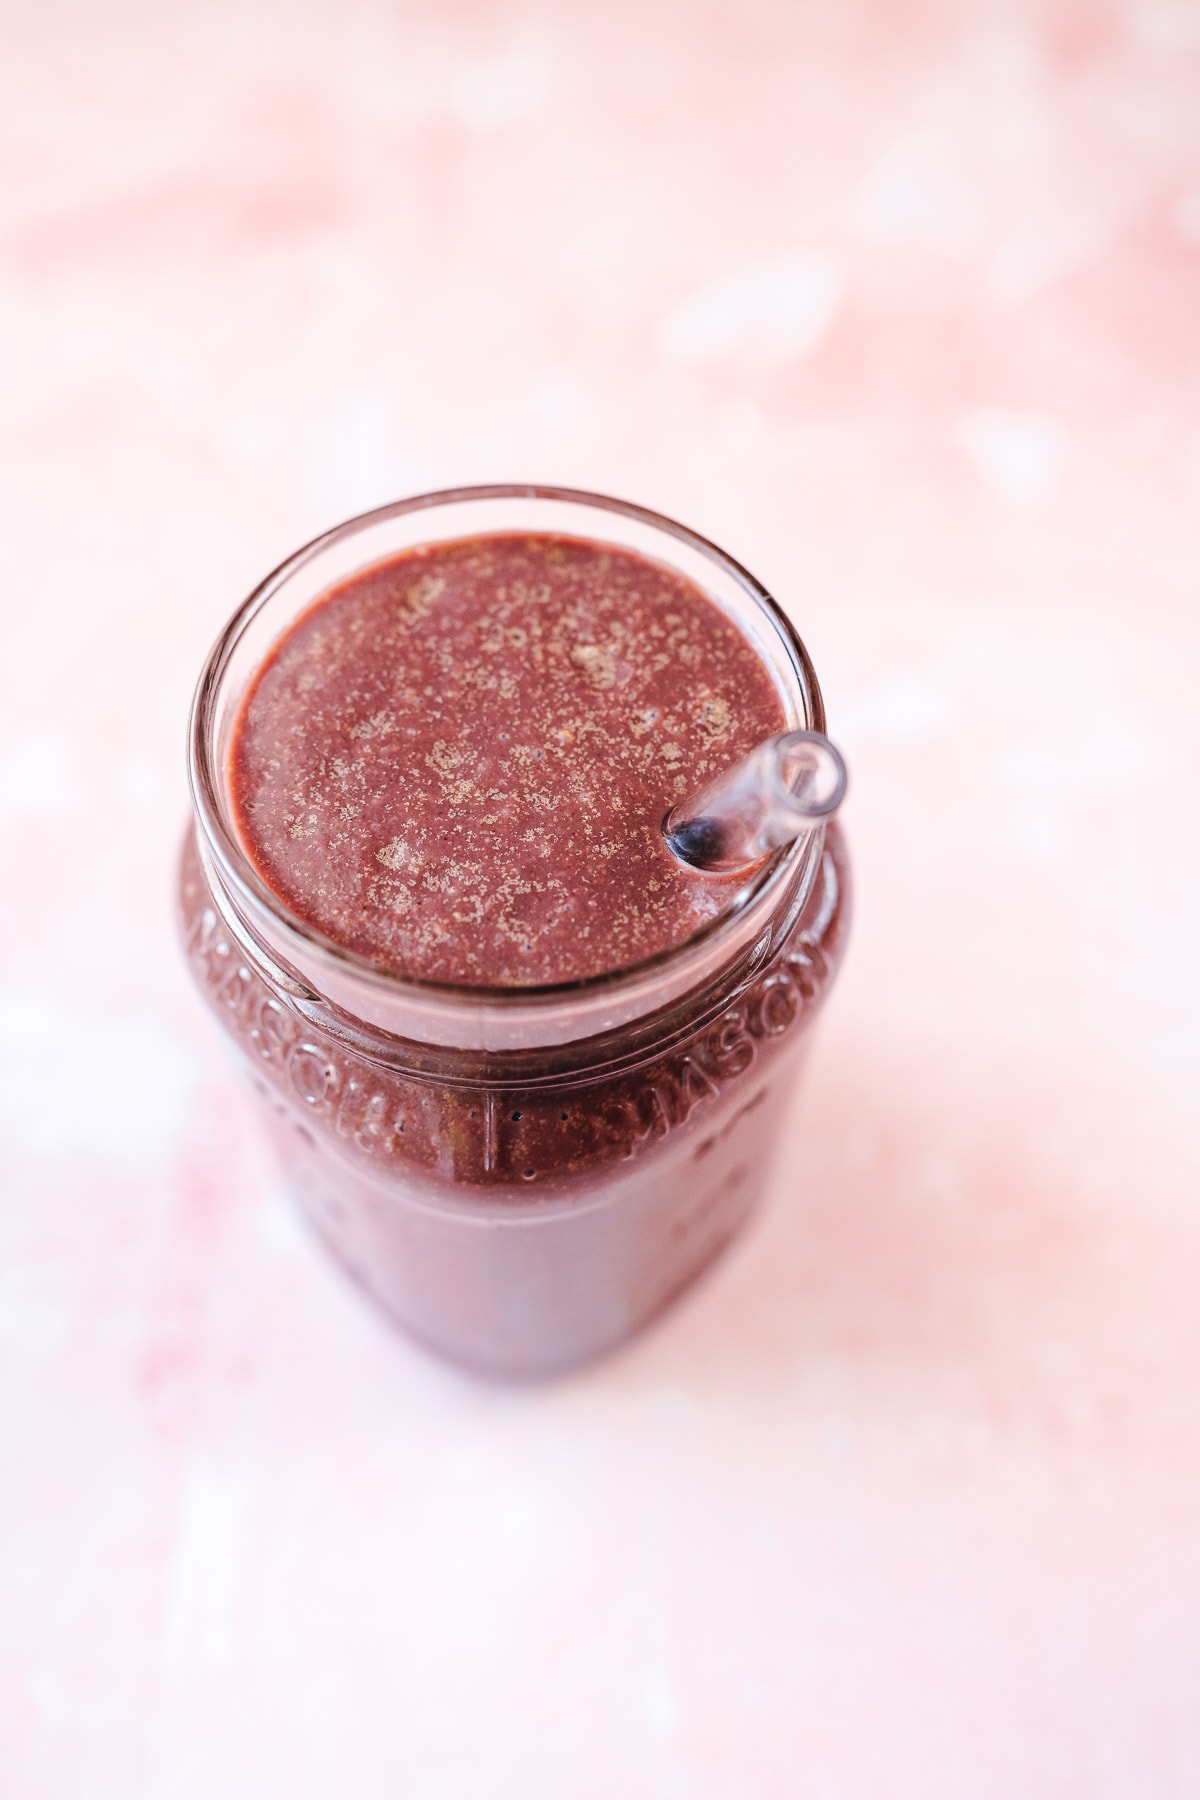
(901, 303)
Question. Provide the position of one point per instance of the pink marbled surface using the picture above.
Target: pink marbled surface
(901, 303)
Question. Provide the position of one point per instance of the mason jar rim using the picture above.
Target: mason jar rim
(788, 873)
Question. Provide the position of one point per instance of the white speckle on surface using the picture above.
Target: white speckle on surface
(907, 706)
(110, 1089)
(775, 312)
(1171, 27)
(659, 1700)
(503, 91)
(1035, 256)
(142, 782)
(918, 193)
(1187, 217)
(1019, 455)
(560, 397)
(204, 1573)
(37, 778)
(368, 436)
(33, 1322)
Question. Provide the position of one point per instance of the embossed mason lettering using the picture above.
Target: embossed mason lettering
(731, 1049)
(274, 1029)
(362, 1117)
(774, 1005)
(372, 1108)
(314, 1075)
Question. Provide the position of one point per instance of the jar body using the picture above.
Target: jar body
(523, 1213)
(520, 1175)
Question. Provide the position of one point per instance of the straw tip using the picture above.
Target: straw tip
(702, 842)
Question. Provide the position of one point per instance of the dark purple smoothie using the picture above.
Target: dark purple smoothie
(456, 764)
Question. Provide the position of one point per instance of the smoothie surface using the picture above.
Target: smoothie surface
(456, 763)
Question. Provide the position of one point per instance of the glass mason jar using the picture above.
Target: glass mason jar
(520, 1176)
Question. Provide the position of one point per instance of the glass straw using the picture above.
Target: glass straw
(786, 787)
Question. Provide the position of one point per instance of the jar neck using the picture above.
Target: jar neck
(468, 1044)
(311, 970)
